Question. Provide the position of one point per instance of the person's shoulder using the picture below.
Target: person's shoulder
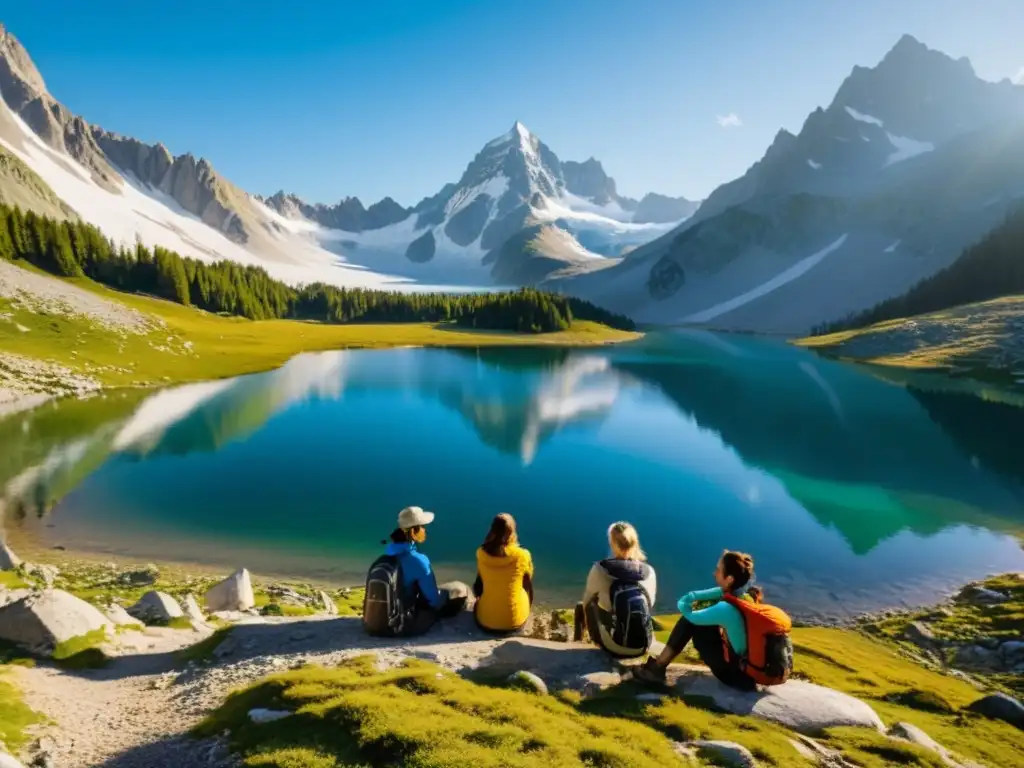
(418, 557)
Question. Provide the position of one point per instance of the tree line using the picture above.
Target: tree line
(76, 249)
(992, 267)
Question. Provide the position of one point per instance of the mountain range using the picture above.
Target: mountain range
(914, 159)
(57, 163)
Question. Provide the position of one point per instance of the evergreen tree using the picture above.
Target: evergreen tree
(75, 248)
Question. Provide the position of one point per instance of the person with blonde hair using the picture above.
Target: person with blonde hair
(504, 582)
(619, 597)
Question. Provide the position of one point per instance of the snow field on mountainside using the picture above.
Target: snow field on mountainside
(781, 279)
(154, 218)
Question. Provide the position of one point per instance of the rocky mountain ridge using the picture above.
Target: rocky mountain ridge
(913, 160)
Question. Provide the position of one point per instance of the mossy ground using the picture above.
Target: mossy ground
(15, 716)
(419, 715)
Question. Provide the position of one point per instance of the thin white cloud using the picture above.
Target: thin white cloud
(732, 120)
(1019, 77)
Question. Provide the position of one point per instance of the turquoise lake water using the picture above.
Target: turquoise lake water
(854, 489)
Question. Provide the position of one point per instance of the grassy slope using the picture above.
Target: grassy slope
(976, 337)
(197, 345)
(418, 715)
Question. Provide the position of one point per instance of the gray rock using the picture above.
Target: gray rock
(999, 706)
(47, 573)
(723, 753)
(8, 596)
(913, 734)
(819, 754)
(979, 595)
(156, 608)
(800, 706)
(43, 620)
(140, 578)
(232, 594)
(326, 604)
(190, 607)
(8, 560)
(283, 594)
(119, 617)
(976, 657)
(8, 761)
(261, 716)
(1012, 653)
(527, 681)
(919, 633)
(596, 682)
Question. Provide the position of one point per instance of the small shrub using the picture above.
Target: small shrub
(926, 701)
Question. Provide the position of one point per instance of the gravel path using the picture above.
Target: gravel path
(39, 293)
(135, 712)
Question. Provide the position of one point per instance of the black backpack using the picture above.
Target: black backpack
(384, 611)
(632, 626)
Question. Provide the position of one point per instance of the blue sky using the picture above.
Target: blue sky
(394, 97)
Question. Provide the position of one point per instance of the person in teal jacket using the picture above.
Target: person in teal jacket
(705, 627)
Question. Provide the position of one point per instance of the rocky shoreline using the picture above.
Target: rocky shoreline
(188, 639)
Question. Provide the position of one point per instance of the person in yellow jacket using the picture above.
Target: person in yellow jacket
(504, 582)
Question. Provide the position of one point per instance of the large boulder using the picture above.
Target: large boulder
(232, 594)
(999, 706)
(43, 620)
(800, 706)
(156, 608)
(8, 560)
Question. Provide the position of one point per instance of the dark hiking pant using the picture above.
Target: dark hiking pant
(707, 641)
(455, 594)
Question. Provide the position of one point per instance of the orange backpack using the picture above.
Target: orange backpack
(769, 657)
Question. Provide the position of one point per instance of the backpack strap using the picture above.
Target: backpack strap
(730, 653)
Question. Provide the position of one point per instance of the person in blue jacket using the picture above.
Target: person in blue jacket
(431, 601)
(705, 627)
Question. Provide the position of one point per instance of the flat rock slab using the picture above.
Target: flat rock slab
(560, 665)
(800, 706)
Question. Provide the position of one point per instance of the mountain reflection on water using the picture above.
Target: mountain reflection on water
(704, 440)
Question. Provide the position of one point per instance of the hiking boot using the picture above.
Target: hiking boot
(650, 672)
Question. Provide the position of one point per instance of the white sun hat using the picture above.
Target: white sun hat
(411, 517)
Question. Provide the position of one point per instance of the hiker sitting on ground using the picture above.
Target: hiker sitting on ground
(504, 582)
(617, 601)
(402, 595)
(742, 641)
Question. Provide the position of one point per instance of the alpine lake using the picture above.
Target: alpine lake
(855, 488)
